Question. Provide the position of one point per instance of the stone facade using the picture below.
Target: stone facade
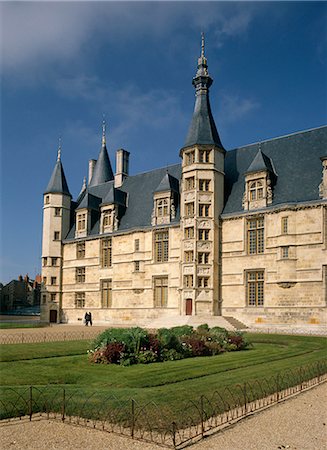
(241, 233)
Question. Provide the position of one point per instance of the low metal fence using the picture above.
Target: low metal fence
(156, 423)
(48, 336)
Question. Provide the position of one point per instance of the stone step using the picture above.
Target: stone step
(236, 323)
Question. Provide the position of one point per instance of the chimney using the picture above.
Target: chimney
(92, 164)
(122, 166)
(20, 278)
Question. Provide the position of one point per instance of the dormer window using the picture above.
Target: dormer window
(162, 207)
(256, 190)
(81, 222)
(107, 219)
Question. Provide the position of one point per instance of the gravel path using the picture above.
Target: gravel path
(299, 423)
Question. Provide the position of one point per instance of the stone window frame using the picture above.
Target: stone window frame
(44, 261)
(189, 183)
(285, 252)
(255, 233)
(284, 225)
(53, 281)
(203, 282)
(189, 232)
(106, 293)
(47, 199)
(204, 234)
(161, 245)
(204, 209)
(162, 207)
(106, 252)
(137, 245)
(188, 256)
(204, 156)
(56, 236)
(53, 297)
(204, 185)
(80, 274)
(189, 158)
(107, 219)
(160, 291)
(54, 261)
(188, 281)
(137, 266)
(255, 287)
(256, 190)
(57, 211)
(203, 257)
(81, 221)
(189, 209)
(80, 250)
(79, 299)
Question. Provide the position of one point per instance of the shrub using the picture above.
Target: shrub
(132, 338)
(184, 330)
(147, 357)
(168, 339)
(197, 346)
(237, 339)
(113, 352)
(171, 355)
(203, 327)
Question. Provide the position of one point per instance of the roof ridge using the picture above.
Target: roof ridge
(278, 137)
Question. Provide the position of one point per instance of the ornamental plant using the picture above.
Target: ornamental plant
(127, 346)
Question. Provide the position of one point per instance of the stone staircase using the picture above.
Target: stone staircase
(235, 323)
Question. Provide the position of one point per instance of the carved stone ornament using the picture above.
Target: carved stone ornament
(138, 291)
(189, 196)
(205, 198)
(116, 223)
(188, 222)
(204, 245)
(172, 211)
(188, 245)
(286, 284)
(188, 270)
(153, 216)
(204, 224)
(245, 201)
(203, 271)
(269, 192)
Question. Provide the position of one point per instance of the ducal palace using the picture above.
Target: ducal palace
(239, 233)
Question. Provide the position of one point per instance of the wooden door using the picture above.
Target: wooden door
(53, 316)
(188, 305)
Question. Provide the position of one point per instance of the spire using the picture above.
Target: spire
(58, 183)
(203, 129)
(102, 170)
(103, 132)
(59, 150)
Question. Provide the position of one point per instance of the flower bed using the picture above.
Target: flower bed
(126, 346)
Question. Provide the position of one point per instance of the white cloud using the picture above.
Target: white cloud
(233, 107)
(35, 34)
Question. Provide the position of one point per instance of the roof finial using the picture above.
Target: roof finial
(202, 45)
(260, 146)
(103, 131)
(84, 184)
(59, 150)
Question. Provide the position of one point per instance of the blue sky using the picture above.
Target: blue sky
(65, 64)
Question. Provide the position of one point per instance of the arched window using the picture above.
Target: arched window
(256, 190)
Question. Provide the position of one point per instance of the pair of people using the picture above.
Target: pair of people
(88, 319)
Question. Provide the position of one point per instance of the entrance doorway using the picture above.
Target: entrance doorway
(53, 316)
(188, 306)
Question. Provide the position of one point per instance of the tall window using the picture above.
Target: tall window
(53, 296)
(162, 207)
(106, 293)
(137, 245)
(255, 288)
(81, 221)
(255, 235)
(107, 218)
(160, 292)
(189, 209)
(53, 281)
(188, 281)
(56, 236)
(57, 212)
(188, 256)
(161, 246)
(106, 252)
(204, 156)
(47, 199)
(189, 232)
(54, 261)
(284, 225)
(80, 274)
(256, 190)
(285, 252)
(204, 185)
(189, 183)
(136, 266)
(44, 261)
(189, 158)
(80, 250)
(204, 210)
(203, 257)
(80, 300)
(203, 235)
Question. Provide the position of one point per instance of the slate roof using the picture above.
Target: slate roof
(261, 162)
(57, 183)
(296, 160)
(89, 201)
(203, 128)
(102, 170)
(168, 183)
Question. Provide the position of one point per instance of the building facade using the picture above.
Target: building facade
(239, 233)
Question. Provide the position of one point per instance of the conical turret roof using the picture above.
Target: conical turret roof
(102, 170)
(58, 183)
(203, 128)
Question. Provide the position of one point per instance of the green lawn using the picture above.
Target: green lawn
(10, 325)
(170, 385)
